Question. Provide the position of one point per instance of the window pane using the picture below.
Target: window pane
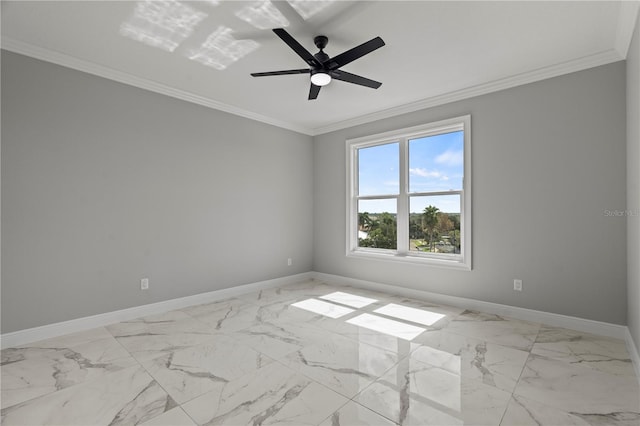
(434, 224)
(378, 169)
(436, 163)
(377, 226)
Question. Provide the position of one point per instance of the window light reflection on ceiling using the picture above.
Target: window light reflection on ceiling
(163, 24)
(410, 314)
(323, 308)
(221, 50)
(263, 15)
(387, 326)
(348, 299)
(308, 8)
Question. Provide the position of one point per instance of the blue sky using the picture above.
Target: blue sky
(435, 164)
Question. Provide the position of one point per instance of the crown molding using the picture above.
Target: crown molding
(69, 61)
(601, 58)
(627, 21)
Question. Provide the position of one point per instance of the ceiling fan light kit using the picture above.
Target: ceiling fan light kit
(320, 78)
(323, 68)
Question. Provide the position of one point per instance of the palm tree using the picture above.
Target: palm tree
(429, 222)
(364, 221)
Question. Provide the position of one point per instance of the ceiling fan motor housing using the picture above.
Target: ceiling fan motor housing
(321, 42)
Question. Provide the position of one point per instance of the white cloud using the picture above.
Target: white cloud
(451, 158)
(418, 171)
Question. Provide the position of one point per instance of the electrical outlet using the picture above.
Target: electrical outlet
(144, 284)
(517, 285)
(289, 262)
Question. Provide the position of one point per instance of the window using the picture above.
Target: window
(409, 194)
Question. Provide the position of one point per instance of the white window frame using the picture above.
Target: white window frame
(403, 254)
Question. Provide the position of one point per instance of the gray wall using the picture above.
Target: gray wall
(633, 186)
(104, 184)
(548, 160)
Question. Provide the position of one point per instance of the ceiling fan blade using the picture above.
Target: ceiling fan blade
(355, 79)
(355, 53)
(285, 72)
(297, 47)
(313, 91)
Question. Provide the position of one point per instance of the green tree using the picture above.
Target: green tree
(444, 223)
(415, 227)
(382, 232)
(364, 221)
(389, 227)
(429, 222)
(378, 239)
(455, 239)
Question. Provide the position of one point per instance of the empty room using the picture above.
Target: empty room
(320, 212)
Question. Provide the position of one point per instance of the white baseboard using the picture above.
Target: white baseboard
(557, 320)
(23, 337)
(633, 353)
(30, 335)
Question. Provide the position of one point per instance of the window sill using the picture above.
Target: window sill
(453, 263)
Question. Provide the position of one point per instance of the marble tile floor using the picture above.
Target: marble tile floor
(315, 354)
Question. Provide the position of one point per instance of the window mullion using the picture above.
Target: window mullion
(403, 200)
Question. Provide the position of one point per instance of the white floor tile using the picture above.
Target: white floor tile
(126, 397)
(274, 394)
(357, 358)
(342, 364)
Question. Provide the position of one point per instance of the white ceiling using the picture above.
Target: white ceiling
(435, 52)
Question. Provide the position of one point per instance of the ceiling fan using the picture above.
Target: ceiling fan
(323, 68)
